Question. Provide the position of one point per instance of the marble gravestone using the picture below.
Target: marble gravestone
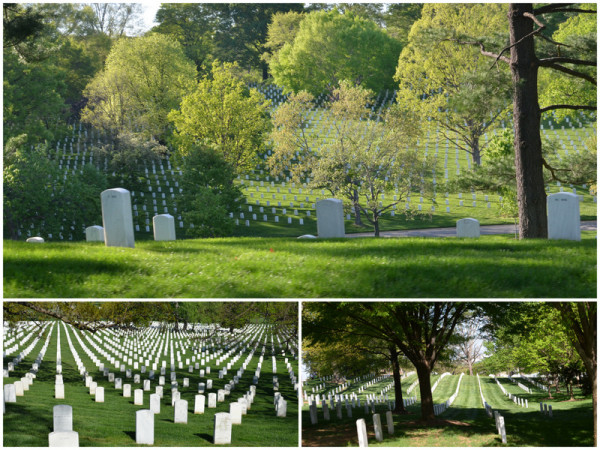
(144, 427)
(63, 439)
(62, 417)
(117, 218)
(467, 228)
(164, 227)
(564, 221)
(95, 233)
(222, 429)
(330, 218)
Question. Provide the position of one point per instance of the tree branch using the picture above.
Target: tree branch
(572, 72)
(545, 62)
(551, 107)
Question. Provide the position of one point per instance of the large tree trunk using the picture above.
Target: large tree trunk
(424, 374)
(399, 408)
(531, 195)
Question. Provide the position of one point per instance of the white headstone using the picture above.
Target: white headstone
(95, 233)
(35, 240)
(181, 411)
(63, 417)
(10, 394)
(59, 391)
(199, 403)
(126, 390)
(116, 218)
(222, 429)
(361, 428)
(138, 397)
(164, 227)
(144, 427)
(330, 218)
(467, 228)
(99, 394)
(235, 411)
(564, 221)
(212, 400)
(63, 439)
(155, 403)
(377, 426)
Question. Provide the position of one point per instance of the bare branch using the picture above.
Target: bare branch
(561, 7)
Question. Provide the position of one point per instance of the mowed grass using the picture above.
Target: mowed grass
(112, 423)
(491, 266)
(465, 423)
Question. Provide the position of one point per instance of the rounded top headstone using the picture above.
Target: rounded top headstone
(35, 240)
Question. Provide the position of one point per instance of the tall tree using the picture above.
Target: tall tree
(143, 80)
(456, 88)
(524, 25)
(221, 113)
(331, 47)
(581, 322)
(367, 156)
(420, 330)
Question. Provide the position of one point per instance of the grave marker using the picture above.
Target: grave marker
(330, 218)
(116, 218)
(564, 221)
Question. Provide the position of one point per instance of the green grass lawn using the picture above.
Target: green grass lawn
(112, 423)
(465, 423)
(491, 266)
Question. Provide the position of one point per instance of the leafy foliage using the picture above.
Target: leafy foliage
(36, 194)
(366, 157)
(209, 194)
(221, 113)
(144, 78)
(455, 87)
(331, 47)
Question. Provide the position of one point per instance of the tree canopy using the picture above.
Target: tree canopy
(330, 47)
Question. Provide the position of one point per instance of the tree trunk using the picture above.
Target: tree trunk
(357, 220)
(399, 409)
(531, 195)
(470, 367)
(376, 224)
(424, 374)
(476, 151)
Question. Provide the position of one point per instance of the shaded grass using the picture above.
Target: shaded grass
(491, 266)
(465, 423)
(112, 423)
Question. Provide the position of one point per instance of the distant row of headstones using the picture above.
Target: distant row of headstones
(563, 220)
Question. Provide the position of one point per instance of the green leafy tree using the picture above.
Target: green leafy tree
(209, 194)
(331, 47)
(420, 330)
(525, 61)
(37, 197)
(127, 154)
(192, 26)
(282, 30)
(365, 158)
(144, 78)
(456, 87)
(222, 114)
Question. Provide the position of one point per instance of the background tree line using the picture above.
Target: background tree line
(65, 62)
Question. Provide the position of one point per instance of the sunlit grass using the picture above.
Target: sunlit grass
(491, 266)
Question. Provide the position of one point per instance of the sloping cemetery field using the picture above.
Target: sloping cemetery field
(276, 206)
(255, 363)
(465, 423)
(491, 266)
